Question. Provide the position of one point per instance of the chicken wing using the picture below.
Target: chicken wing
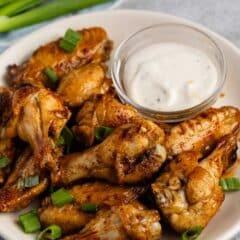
(188, 193)
(132, 153)
(202, 132)
(13, 196)
(94, 46)
(82, 83)
(70, 217)
(37, 117)
(130, 221)
(104, 110)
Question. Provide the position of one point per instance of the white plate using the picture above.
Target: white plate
(119, 24)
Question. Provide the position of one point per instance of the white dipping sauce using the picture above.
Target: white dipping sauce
(169, 76)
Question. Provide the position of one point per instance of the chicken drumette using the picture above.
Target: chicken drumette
(94, 46)
(131, 154)
(188, 192)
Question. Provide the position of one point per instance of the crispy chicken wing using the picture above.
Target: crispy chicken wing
(82, 83)
(188, 193)
(202, 132)
(132, 153)
(94, 46)
(70, 217)
(13, 196)
(37, 117)
(130, 221)
(104, 110)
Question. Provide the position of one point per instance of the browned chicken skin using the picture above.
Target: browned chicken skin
(70, 217)
(104, 110)
(131, 154)
(83, 83)
(188, 193)
(14, 197)
(94, 46)
(203, 131)
(130, 221)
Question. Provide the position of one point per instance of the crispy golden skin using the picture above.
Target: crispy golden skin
(131, 154)
(104, 110)
(37, 117)
(82, 83)
(93, 47)
(70, 217)
(202, 132)
(12, 197)
(131, 221)
(188, 193)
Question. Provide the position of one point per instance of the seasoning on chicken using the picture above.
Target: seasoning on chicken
(130, 221)
(70, 217)
(82, 83)
(188, 193)
(37, 117)
(94, 46)
(104, 110)
(202, 132)
(13, 196)
(131, 154)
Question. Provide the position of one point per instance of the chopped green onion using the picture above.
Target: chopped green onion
(89, 207)
(28, 182)
(51, 74)
(18, 6)
(102, 132)
(66, 138)
(45, 12)
(30, 222)
(230, 184)
(192, 233)
(4, 161)
(52, 232)
(70, 40)
(61, 197)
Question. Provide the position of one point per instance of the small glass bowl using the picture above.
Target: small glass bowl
(168, 32)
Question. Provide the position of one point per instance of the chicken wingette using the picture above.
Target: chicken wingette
(37, 116)
(130, 221)
(82, 83)
(188, 192)
(104, 110)
(202, 132)
(131, 154)
(94, 46)
(70, 217)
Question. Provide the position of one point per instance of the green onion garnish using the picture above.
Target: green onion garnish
(61, 197)
(66, 138)
(230, 184)
(89, 207)
(4, 161)
(102, 132)
(70, 40)
(51, 74)
(192, 233)
(52, 232)
(30, 222)
(28, 182)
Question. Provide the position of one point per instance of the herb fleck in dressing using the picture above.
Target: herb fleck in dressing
(169, 76)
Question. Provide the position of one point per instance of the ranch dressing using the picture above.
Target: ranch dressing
(169, 76)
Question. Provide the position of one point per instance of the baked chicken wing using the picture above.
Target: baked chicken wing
(202, 132)
(70, 217)
(130, 221)
(104, 110)
(83, 83)
(188, 193)
(131, 154)
(94, 46)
